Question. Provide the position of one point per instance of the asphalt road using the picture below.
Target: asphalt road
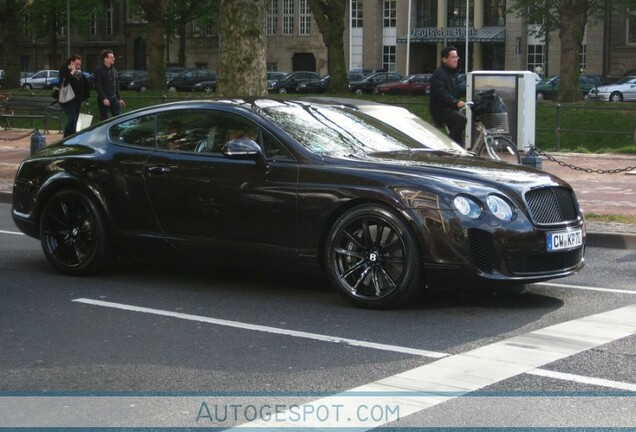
(154, 344)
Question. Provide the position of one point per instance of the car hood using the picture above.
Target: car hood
(441, 166)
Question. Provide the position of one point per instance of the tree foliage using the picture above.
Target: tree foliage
(242, 67)
(330, 17)
(180, 13)
(10, 11)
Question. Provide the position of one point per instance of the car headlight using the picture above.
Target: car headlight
(500, 208)
(467, 207)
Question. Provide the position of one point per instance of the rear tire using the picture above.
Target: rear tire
(501, 149)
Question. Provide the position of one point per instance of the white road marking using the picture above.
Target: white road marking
(583, 379)
(335, 339)
(587, 288)
(450, 377)
(267, 329)
(11, 232)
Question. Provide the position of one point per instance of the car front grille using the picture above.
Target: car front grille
(546, 262)
(551, 205)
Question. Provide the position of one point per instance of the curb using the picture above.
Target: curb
(594, 239)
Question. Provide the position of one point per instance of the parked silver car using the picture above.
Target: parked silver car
(622, 90)
(40, 80)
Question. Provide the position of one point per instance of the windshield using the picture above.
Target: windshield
(626, 80)
(336, 131)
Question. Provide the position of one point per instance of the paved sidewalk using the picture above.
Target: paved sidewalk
(601, 184)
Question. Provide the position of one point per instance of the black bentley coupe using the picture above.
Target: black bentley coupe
(387, 207)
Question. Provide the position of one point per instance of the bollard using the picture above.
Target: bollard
(38, 142)
(531, 159)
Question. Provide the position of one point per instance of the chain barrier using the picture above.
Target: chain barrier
(577, 168)
(19, 137)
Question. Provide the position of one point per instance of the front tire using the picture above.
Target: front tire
(616, 97)
(73, 234)
(372, 258)
(502, 149)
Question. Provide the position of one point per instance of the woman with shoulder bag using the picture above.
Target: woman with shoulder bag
(71, 75)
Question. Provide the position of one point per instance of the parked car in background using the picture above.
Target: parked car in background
(461, 84)
(290, 82)
(173, 71)
(40, 80)
(272, 77)
(549, 87)
(315, 86)
(189, 78)
(622, 90)
(383, 215)
(205, 86)
(371, 82)
(416, 84)
(55, 82)
(130, 75)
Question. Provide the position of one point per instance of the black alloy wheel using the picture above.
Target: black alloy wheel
(372, 257)
(73, 234)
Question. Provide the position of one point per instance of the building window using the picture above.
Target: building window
(92, 25)
(272, 67)
(389, 14)
(536, 58)
(631, 27)
(109, 17)
(209, 26)
(426, 14)
(583, 58)
(288, 17)
(272, 17)
(61, 31)
(304, 25)
(26, 31)
(495, 12)
(457, 13)
(388, 58)
(356, 14)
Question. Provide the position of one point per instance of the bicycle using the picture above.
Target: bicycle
(491, 143)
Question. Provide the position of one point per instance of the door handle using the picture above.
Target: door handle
(158, 170)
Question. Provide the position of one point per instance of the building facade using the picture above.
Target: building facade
(405, 36)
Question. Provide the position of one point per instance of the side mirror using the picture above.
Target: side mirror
(245, 149)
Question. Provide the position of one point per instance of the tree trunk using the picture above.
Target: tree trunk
(243, 48)
(573, 15)
(155, 11)
(9, 20)
(330, 17)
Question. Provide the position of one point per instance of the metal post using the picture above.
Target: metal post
(557, 130)
(408, 40)
(467, 17)
(68, 28)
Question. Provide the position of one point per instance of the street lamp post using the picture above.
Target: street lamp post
(68, 28)
(467, 17)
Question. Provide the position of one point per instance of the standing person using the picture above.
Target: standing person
(71, 74)
(107, 86)
(444, 102)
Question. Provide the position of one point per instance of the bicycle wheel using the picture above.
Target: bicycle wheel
(500, 148)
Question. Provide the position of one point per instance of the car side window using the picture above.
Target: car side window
(139, 131)
(183, 130)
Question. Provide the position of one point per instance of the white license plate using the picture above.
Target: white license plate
(563, 240)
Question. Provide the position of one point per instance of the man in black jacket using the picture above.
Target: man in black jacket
(107, 86)
(444, 100)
